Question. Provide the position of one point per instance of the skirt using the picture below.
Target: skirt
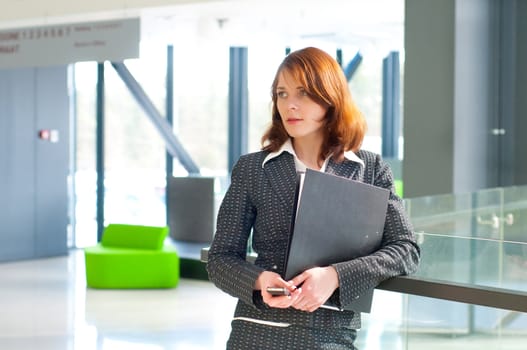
(250, 336)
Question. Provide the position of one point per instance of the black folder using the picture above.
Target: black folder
(336, 219)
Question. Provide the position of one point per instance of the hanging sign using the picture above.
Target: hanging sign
(113, 40)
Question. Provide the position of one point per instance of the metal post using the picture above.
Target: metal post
(100, 150)
(390, 106)
(170, 118)
(352, 66)
(163, 127)
(238, 105)
(339, 57)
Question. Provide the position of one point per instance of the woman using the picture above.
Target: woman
(316, 125)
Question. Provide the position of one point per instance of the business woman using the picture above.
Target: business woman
(315, 124)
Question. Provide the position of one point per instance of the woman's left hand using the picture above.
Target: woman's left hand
(317, 285)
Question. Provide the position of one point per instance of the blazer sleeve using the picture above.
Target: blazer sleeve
(227, 266)
(399, 253)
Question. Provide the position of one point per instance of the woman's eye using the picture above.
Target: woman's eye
(282, 94)
(303, 92)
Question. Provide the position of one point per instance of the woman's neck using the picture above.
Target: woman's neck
(308, 153)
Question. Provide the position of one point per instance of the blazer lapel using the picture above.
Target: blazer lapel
(347, 169)
(281, 174)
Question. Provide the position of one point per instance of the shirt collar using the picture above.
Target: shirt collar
(350, 155)
(288, 147)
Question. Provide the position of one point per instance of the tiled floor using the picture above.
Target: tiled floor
(45, 305)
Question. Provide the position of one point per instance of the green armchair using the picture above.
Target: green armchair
(132, 257)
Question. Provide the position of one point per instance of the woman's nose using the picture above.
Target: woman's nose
(292, 104)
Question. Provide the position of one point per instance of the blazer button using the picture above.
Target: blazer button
(274, 267)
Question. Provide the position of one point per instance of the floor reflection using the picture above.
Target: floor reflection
(45, 305)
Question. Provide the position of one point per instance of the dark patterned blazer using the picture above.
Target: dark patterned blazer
(260, 200)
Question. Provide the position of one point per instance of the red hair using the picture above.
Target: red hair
(324, 81)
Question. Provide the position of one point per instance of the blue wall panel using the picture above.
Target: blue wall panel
(33, 182)
(51, 162)
(17, 225)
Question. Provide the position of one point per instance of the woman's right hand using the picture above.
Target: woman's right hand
(272, 279)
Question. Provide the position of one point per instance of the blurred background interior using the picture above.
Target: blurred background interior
(147, 135)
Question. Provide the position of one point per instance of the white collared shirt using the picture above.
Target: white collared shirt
(299, 165)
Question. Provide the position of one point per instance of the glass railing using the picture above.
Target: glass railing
(477, 240)
(499, 213)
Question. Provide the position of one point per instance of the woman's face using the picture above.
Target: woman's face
(302, 116)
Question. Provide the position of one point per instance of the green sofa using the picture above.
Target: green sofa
(132, 256)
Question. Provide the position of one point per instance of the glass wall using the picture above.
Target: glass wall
(85, 200)
(201, 37)
(134, 157)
